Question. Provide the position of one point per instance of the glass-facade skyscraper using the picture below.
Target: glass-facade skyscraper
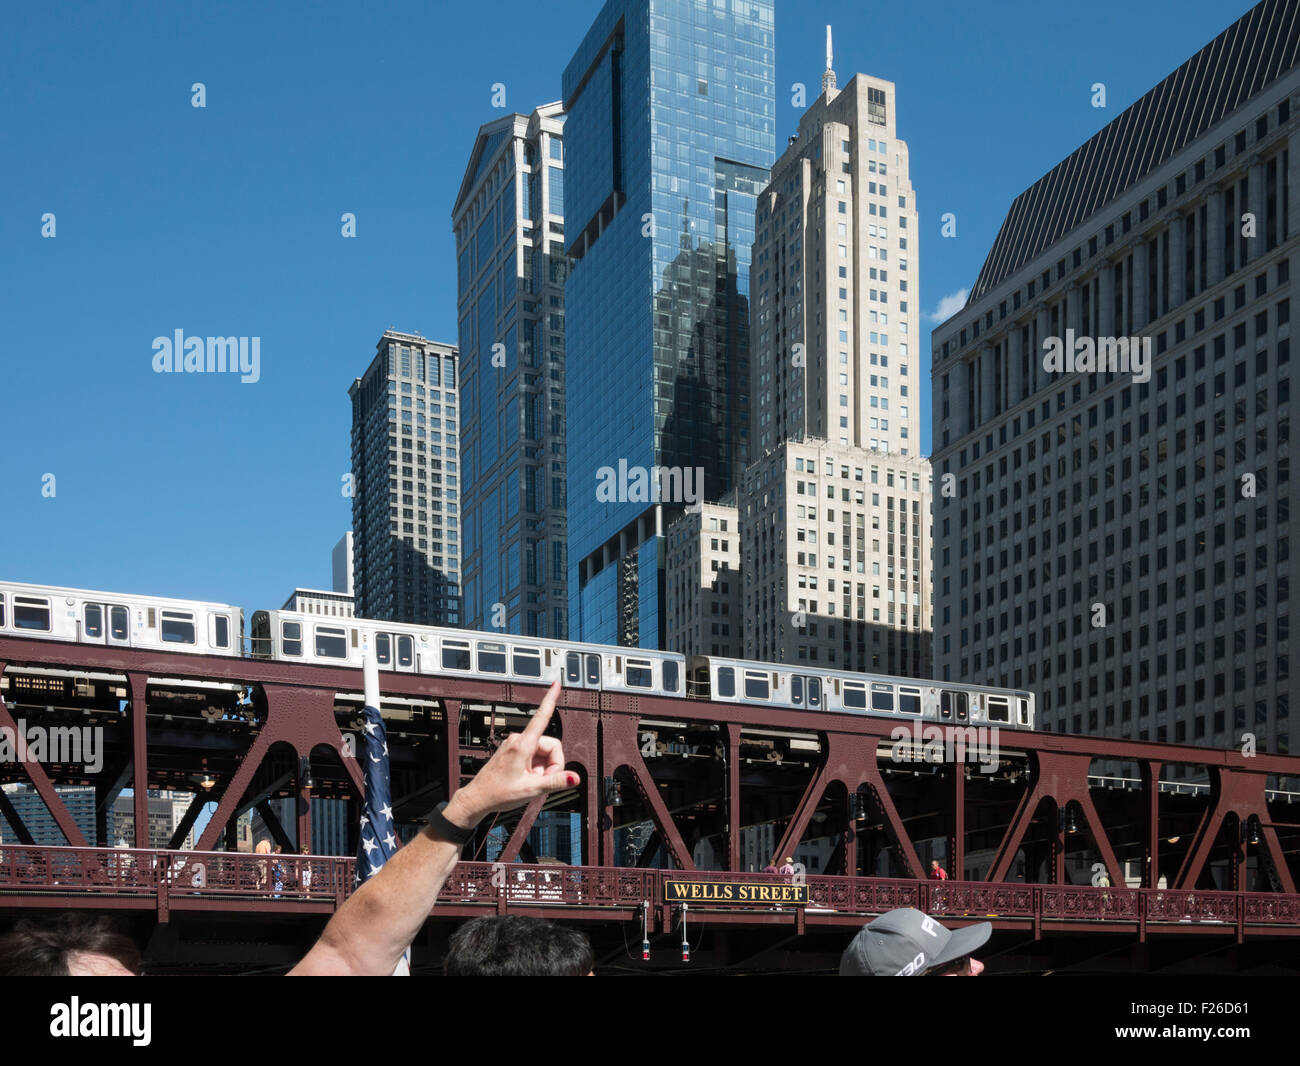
(669, 137)
(509, 225)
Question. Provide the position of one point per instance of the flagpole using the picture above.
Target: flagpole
(370, 683)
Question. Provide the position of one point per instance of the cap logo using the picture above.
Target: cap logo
(929, 926)
(911, 968)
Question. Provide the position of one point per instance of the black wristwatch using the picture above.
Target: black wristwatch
(447, 829)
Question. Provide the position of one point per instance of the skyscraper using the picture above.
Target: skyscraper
(341, 564)
(669, 137)
(405, 468)
(509, 224)
(834, 276)
(1113, 531)
(831, 519)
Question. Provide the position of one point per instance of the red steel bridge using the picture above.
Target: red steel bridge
(1087, 854)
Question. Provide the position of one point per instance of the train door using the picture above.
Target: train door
(806, 692)
(105, 623)
(395, 651)
(582, 669)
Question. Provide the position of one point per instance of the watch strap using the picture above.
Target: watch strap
(446, 828)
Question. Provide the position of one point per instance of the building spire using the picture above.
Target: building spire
(828, 78)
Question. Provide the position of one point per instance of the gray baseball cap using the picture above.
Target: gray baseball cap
(905, 943)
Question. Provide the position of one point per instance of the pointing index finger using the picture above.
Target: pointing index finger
(541, 719)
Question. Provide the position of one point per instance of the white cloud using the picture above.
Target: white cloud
(949, 306)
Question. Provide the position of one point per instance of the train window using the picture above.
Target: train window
(670, 677)
(796, 690)
(291, 638)
(814, 692)
(94, 620)
(882, 697)
(1024, 712)
(999, 709)
(639, 673)
(593, 669)
(220, 631)
(2, 610)
(855, 694)
(331, 643)
(757, 686)
(726, 682)
(491, 658)
(383, 649)
(527, 662)
(909, 700)
(455, 654)
(573, 668)
(31, 613)
(118, 622)
(177, 627)
(405, 651)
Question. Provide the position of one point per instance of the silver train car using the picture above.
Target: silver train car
(804, 688)
(292, 637)
(83, 616)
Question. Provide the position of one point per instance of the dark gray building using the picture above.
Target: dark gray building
(1112, 520)
(406, 483)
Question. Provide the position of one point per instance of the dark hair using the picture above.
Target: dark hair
(513, 946)
(43, 947)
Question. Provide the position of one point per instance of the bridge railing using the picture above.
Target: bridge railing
(146, 874)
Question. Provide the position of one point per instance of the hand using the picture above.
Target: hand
(527, 765)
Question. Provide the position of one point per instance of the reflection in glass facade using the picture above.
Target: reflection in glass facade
(509, 224)
(669, 137)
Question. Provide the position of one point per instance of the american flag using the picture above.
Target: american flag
(378, 837)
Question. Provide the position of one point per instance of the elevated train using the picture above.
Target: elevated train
(88, 617)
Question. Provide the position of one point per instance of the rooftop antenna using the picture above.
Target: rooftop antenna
(828, 78)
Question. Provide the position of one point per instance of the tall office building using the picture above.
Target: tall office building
(669, 137)
(166, 812)
(509, 224)
(833, 514)
(835, 557)
(341, 565)
(834, 275)
(45, 831)
(1115, 535)
(406, 497)
(703, 581)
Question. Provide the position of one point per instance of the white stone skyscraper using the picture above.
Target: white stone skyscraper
(833, 278)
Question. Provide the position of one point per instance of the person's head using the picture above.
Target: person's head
(263, 847)
(934, 864)
(69, 945)
(789, 860)
(303, 850)
(514, 946)
(907, 943)
(278, 849)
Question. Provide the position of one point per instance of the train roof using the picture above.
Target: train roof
(125, 597)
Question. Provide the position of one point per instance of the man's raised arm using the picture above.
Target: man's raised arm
(368, 934)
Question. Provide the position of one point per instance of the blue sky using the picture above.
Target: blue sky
(226, 221)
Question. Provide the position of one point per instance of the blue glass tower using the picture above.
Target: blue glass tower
(670, 136)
